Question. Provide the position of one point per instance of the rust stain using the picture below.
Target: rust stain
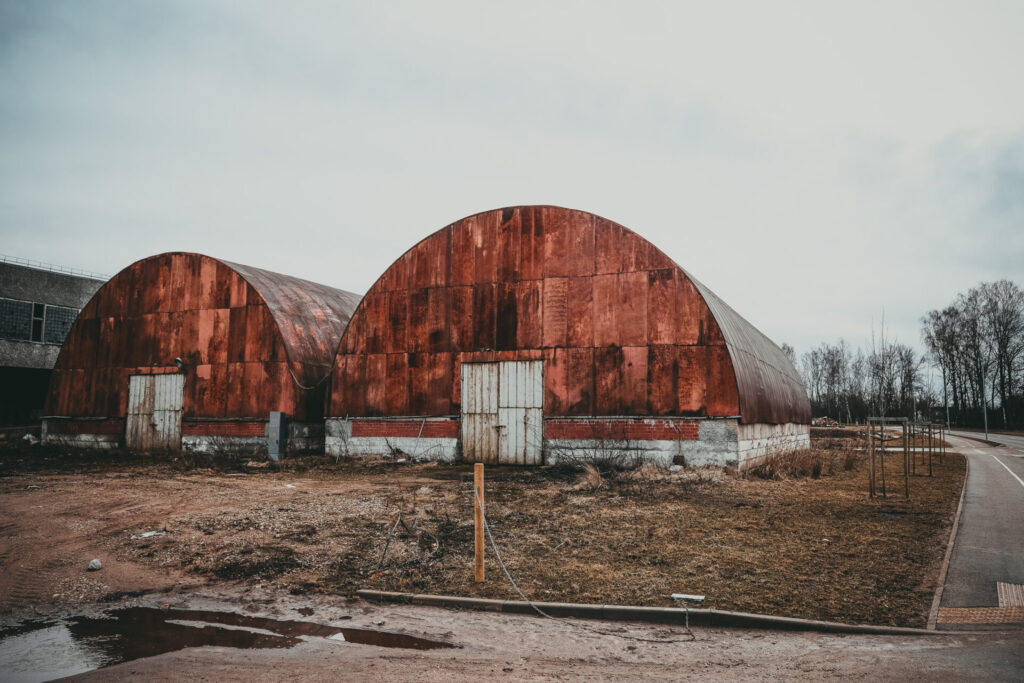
(622, 329)
(241, 332)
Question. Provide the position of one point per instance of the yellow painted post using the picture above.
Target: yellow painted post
(478, 521)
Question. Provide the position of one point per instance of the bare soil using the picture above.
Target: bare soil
(814, 547)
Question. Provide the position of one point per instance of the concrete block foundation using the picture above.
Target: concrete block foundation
(625, 441)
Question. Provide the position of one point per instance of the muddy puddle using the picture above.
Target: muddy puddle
(43, 650)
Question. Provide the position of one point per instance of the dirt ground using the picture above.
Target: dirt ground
(519, 648)
(814, 547)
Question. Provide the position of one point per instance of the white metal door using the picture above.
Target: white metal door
(503, 412)
(154, 412)
(480, 412)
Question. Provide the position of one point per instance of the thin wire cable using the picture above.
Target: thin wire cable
(501, 563)
(302, 386)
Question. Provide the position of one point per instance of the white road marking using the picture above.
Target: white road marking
(1008, 470)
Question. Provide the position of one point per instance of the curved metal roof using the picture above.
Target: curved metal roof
(311, 317)
(770, 388)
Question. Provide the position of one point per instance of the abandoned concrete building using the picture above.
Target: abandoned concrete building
(533, 334)
(38, 304)
(182, 350)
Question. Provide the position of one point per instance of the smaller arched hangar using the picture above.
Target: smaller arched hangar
(182, 349)
(535, 333)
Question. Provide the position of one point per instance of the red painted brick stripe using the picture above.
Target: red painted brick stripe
(114, 426)
(434, 429)
(252, 428)
(623, 430)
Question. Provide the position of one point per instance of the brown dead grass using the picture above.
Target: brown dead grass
(790, 544)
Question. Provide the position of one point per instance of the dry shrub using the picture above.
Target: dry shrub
(708, 474)
(648, 472)
(590, 479)
(810, 462)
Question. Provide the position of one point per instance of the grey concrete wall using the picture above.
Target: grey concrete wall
(339, 442)
(716, 445)
(25, 354)
(759, 440)
(42, 286)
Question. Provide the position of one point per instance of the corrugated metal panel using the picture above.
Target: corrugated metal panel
(770, 388)
(311, 317)
(242, 333)
(623, 329)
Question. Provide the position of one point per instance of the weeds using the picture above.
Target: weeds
(811, 462)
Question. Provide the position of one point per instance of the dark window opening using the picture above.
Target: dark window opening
(38, 313)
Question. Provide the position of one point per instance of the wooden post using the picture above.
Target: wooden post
(871, 458)
(929, 449)
(906, 462)
(478, 521)
(881, 455)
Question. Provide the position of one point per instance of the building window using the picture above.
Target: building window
(27, 321)
(59, 320)
(15, 319)
(38, 316)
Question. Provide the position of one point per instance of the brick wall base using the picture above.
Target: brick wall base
(244, 437)
(415, 438)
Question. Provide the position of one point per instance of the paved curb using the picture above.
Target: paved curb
(974, 438)
(655, 615)
(933, 615)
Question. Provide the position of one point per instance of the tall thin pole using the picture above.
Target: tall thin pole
(871, 456)
(881, 455)
(906, 462)
(984, 405)
(478, 521)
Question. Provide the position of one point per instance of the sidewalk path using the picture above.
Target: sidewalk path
(989, 546)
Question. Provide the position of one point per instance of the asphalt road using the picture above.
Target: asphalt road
(989, 545)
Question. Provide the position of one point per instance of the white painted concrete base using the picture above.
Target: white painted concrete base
(719, 442)
(716, 445)
(84, 441)
(442, 450)
(339, 442)
(254, 445)
(755, 441)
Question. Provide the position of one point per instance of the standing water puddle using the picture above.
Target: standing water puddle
(44, 650)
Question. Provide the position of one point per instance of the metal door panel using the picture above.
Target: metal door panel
(155, 404)
(480, 412)
(502, 412)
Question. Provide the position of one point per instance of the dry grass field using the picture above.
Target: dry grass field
(797, 537)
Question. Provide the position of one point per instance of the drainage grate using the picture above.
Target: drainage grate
(1010, 594)
(981, 615)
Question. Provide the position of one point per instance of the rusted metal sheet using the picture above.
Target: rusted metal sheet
(768, 386)
(622, 329)
(241, 333)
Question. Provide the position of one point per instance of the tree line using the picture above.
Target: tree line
(975, 346)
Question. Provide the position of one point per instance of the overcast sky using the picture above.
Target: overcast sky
(813, 163)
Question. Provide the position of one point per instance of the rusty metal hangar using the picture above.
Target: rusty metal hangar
(534, 334)
(184, 350)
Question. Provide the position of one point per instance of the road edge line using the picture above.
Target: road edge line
(656, 615)
(933, 613)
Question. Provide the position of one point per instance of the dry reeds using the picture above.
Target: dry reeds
(809, 462)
